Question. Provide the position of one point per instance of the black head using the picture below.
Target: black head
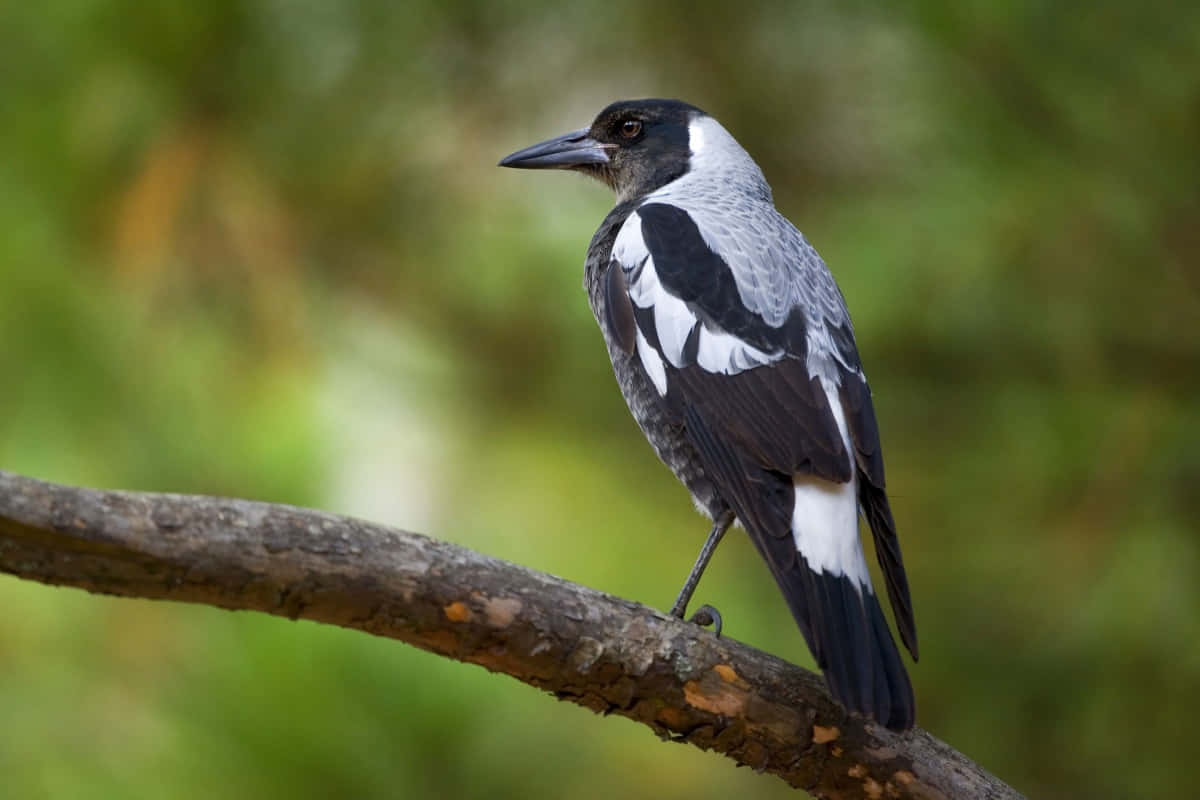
(634, 146)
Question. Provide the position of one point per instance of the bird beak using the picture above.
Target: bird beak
(570, 150)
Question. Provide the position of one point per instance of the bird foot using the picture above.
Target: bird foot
(705, 616)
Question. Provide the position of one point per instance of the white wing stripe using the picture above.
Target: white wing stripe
(725, 353)
(629, 249)
(825, 516)
(653, 364)
(718, 351)
(674, 322)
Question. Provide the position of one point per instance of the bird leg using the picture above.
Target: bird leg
(706, 615)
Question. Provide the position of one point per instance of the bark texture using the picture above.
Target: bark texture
(607, 654)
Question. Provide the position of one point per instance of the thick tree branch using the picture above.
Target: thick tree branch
(604, 653)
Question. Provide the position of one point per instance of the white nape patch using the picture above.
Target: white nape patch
(716, 154)
(652, 363)
(727, 354)
(825, 515)
(697, 142)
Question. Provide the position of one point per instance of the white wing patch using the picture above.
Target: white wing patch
(825, 359)
(674, 323)
(725, 353)
(825, 516)
(629, 248)
(718, 351)
(652, 363)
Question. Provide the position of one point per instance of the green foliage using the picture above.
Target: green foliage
(261, 249)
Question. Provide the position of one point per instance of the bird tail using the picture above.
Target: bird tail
(806, 529)
(823, 575)
(846, 630)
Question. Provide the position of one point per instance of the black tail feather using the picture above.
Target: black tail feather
(849, 638)
(863, 671)
(848, 635)
(878, 512)
(902, 713)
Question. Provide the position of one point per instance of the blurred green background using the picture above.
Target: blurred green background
(262, 249)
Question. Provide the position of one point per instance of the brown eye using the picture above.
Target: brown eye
(630, 128)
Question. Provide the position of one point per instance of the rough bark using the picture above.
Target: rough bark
(604, 653)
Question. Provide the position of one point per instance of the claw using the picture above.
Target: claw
(707, 615)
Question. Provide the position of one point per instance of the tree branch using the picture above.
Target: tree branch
(602, 652)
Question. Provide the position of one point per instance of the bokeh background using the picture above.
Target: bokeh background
(262, 249)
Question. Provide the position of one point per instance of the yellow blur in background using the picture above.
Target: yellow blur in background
(262, 249)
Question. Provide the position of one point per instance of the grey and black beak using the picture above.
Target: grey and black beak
(575, 149)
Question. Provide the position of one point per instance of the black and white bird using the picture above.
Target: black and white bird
(732, 345)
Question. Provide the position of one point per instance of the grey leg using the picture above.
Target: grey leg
(720, 525)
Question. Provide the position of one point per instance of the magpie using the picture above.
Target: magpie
(733, 347)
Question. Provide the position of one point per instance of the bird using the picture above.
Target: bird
(733, 348)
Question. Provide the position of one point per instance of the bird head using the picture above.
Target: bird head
(634, 146)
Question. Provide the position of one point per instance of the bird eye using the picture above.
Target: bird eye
(630, 128)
